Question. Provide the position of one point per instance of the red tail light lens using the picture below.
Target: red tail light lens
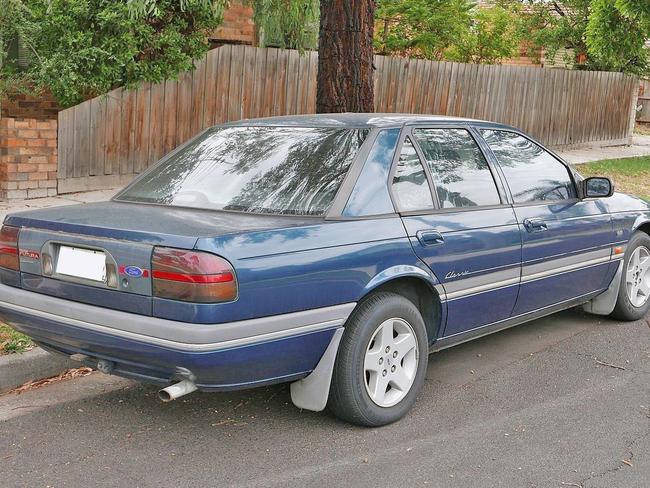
(192, 276)
(9, 248)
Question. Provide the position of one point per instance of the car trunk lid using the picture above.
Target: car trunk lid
(62, 249)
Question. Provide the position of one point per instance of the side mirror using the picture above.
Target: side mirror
(597, 187)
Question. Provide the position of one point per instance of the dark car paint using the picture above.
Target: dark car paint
(288, 263)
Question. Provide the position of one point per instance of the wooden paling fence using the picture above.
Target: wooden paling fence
(106, 141)
(643, 113)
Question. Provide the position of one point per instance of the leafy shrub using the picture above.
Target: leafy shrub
(83, 48)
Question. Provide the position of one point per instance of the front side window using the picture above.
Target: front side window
(277, 170)
(532, 173)
(410, 184)
(459, 170)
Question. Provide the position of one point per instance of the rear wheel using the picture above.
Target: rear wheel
(381, 362)
(634, 293)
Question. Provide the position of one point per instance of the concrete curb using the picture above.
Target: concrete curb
(16, 369)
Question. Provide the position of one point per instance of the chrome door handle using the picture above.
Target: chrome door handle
(535, 225)
(429, 237)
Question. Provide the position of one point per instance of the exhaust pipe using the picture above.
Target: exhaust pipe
(176, 390)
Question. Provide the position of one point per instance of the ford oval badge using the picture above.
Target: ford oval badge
(133, 271)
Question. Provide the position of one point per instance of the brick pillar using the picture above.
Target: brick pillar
(28, 158)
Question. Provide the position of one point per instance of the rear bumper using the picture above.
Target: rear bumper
(219, 356)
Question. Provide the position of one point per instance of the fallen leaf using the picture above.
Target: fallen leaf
(66, 375)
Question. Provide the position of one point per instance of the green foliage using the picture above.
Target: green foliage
(83, 48)
(420, 28)
(608, 34)
(616, 41)
(555, 26)
(495, 34)
(289, 24)
(147, 8)
(15, 23)
(634, 9)
(456, 30)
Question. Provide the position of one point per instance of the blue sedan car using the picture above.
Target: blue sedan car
(334, 252)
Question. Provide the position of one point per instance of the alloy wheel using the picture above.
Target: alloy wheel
(391, 362)
(637, 277)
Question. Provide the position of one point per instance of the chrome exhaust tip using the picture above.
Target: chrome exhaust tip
(176, 390)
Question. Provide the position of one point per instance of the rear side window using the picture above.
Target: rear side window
(532, 173)
(277, 170)
(370, 194)
(410, 184)
(459, 170)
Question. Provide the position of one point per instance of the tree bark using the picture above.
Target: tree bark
(345, 56)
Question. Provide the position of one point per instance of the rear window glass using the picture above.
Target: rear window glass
(277, 170)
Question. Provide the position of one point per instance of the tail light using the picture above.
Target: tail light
(192, 276)
(9, 248)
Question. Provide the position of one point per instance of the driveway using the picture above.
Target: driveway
(541, 405)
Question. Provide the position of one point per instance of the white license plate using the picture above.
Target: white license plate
(81, 263)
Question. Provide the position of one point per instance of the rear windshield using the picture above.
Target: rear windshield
(278, 170)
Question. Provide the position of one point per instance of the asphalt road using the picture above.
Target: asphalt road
(528, 407)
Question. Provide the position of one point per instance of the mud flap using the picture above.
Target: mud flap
(605, 303)
(311, 393)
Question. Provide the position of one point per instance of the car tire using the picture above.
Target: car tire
(630, 305)
(370, 383)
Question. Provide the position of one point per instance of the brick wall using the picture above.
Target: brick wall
(28, 158)
(237, 27)
(43, 107)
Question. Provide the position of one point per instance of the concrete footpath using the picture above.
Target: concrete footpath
(57, 201)
(640, 147)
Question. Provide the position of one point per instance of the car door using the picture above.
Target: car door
(459, 223)
(567, 242)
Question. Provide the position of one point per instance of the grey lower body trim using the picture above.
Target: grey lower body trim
(311, 393)
(168, 333)
(484, 330)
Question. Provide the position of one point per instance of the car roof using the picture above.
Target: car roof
(358, 120)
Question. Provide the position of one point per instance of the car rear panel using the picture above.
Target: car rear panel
(126, 234)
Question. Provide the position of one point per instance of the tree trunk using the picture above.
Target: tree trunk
(345, 56)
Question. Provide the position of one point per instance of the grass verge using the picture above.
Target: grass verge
(12, 341)
(630, 175)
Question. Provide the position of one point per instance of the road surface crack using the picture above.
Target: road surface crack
(624, 462)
